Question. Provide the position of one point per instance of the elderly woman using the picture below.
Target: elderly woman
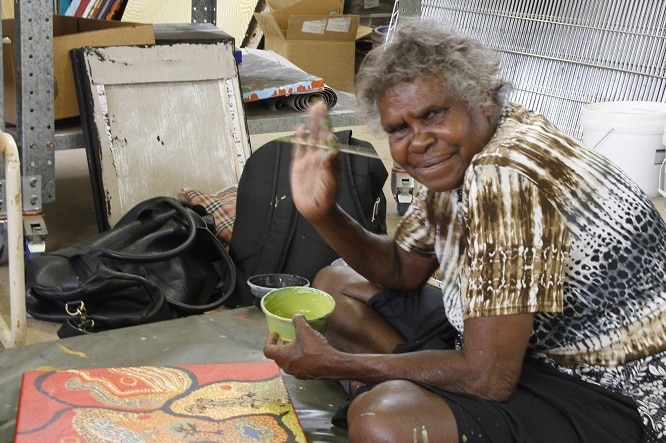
(550, 325)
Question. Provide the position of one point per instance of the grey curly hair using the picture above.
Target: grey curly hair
(424, 48)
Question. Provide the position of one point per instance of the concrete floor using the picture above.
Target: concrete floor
(69, 219)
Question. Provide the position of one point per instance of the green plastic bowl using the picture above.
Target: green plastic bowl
(282, 304)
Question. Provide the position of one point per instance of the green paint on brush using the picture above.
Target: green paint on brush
(423, 434)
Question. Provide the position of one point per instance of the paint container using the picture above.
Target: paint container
(379, 36)
(662, 171)
(630, 134)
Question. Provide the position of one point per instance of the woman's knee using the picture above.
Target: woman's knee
(398, 411)
(336, 278)
(329, 277)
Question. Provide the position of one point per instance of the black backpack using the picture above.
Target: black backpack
(270, 236)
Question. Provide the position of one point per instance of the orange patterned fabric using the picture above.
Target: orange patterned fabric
(235, 402)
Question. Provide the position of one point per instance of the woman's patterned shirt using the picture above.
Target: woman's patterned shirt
(544, 225)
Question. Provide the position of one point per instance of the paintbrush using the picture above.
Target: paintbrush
(334, 145)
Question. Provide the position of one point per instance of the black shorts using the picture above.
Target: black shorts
(547, 406)
(405, 311)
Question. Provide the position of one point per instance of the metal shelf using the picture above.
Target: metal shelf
(65, 137)
(69, 137)
(36, 133)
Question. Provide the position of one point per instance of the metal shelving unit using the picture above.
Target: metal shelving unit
(36, 133)
(35, 129)
(562, 55)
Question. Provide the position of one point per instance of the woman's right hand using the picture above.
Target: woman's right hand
(314, 171)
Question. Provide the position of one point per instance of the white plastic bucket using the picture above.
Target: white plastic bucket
(630, 134)
(662, 171)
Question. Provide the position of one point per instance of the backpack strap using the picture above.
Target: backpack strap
(343, 137)
(367, 175)
(265, 217)
(282, 214)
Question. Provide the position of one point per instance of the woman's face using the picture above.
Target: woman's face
(432, 135)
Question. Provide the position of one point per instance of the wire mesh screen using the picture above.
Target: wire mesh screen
(562, 54)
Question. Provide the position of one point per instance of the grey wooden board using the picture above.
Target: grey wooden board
(166, 117)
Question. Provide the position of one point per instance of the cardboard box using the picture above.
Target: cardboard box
(322, 43)
(283, 9)
(69, 33)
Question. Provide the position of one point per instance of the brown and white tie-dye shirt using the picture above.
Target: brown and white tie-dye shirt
(544, 225)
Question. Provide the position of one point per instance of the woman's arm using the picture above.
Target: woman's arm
(488, 367)
(314, 183)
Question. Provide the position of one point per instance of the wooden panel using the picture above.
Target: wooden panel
(7, 9)
(158, 11)
(154, 134)
(233, 16)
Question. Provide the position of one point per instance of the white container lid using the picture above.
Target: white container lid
(625, 116)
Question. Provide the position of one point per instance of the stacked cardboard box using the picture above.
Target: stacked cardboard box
(315, 36)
